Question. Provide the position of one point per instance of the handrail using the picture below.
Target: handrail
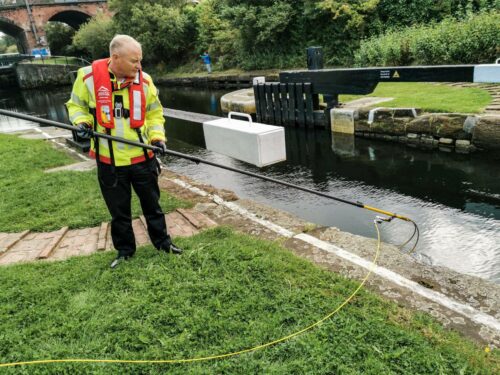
(68, 59)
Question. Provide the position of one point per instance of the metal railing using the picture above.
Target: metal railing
(60, 60)
(9, 59)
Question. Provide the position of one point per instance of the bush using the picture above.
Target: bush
(471, 41)
(94, 37)
(59, 36)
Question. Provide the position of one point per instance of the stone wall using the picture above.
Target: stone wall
(8, 79)
(445, 131)
(30, 76)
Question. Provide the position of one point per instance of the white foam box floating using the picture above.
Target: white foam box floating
(248, 141)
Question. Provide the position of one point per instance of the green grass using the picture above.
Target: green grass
(226, 293)
(32, 199)
(430, 97)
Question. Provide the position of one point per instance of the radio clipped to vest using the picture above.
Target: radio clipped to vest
(119, 111)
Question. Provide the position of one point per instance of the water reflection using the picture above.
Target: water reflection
(454, 198)
(46, 103)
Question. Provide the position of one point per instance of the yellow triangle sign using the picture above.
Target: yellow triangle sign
(396, 74)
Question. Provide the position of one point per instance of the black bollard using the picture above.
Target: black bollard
(314, 58)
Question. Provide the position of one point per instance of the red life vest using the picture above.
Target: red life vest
(104, 97)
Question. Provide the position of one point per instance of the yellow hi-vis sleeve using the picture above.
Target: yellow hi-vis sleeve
(154, 124)
(78, 104)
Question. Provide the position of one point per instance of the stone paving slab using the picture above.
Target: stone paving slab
(197, 219)
(178, 225)
(63, 244)
(140, 232)
(7, 240)
(46, 251)
(101, 239)
(76, 242)
(28, 249)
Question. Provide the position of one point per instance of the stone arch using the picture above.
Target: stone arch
(73, 18)
(12, 29)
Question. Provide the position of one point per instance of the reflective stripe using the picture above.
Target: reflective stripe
(156, 127)
(78, 101)
(90, 85)
(154, 105)
(87, 70)
(76, 115)
(137, 106)
(119, 132)
(145, 87)
(103, 144)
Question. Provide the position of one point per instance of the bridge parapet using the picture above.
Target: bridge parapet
(9, 4)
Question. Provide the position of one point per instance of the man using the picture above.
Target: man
(207, 61)
(114, 96)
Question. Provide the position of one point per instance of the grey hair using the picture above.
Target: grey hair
(121, 40)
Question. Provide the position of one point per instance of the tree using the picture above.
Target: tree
(8, 44)
(59, 37)
(166, 28)
(94, 36)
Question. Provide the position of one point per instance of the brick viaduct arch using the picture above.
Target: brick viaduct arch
(25, 19)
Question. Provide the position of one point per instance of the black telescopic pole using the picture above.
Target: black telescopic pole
(173, 153)
(199, 160)
(72, 128)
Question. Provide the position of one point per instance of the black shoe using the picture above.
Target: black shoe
(173, 249)
(119, 259)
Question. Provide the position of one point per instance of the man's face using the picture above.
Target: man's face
(127, 61)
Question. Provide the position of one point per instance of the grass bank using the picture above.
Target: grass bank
(430, 97)
(32, 199)
(226, 293)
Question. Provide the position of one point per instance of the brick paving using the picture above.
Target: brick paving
(63, 243)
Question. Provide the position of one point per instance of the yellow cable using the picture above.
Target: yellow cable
(220, 356)
(387, 213)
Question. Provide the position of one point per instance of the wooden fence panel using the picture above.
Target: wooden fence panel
(299, 102)
(277, 104)
(284, 104)
(308, 105)
(270, 104)
(291, 104)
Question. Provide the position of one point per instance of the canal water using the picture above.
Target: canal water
(454, 198)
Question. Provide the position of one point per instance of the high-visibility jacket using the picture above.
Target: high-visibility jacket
(82, 105)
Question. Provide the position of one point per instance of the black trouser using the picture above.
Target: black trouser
(116, 189)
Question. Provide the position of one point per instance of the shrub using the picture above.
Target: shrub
(94, 37)
(470, 41)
